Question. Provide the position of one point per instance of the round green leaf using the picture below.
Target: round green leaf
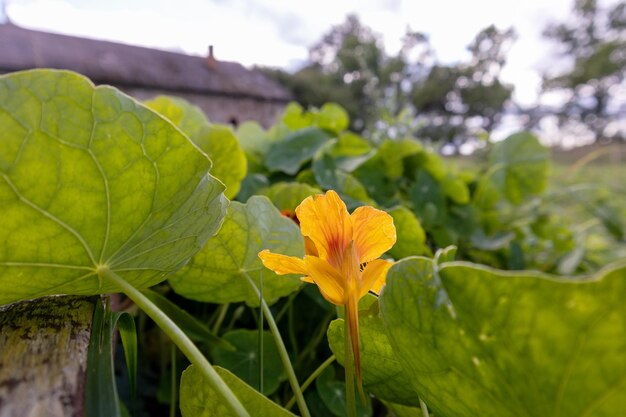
(288, 154)
(244, 360)
(333, 117)
(288, 195)
(198, 399)
(411, 236)
(523, 166)
(493, 343)
(90, 178)
(218, 272)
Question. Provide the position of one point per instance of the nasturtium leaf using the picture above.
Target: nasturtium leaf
(90, 178)
(198, 399)
(522, 166)
(184, 115)
(288, 195)
(333, 117)
(332, 392)
(251, 185)
(411, 236)
(217, 141)
(350, 151)
(383, 373)
(330, 177)
(480, 341)
(288, 154)
(392, 153)
(428, 200)
(229, 161)
(455, 189)
(296, 117)
(244, 360)
(255, 141)
(219, 272)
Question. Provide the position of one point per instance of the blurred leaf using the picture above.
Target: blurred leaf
(288, 195)
(251, 186)
(217, 141)
(184, 115)
(333, 117)
(479, 341)
(255, 142)
(90, 178)
(295, 117)
(244, 360)
(229, 160)
(333, 395)
(455, 189)
(393, 152)
(523, 165)
(428, 200)
(197, 398)
(330, 177)
(289, 154)
(217, 274)
(411, 237)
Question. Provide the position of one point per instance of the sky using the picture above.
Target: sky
(280, 32)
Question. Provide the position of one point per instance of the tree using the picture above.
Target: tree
(457, 101)
(593, 40)
(408, 93)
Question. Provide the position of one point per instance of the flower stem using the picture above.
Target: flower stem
(349, 370)
(310, 379)
(282, 350)
(179, 338)
(424, 409)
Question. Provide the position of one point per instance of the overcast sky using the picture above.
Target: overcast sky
(279, 32)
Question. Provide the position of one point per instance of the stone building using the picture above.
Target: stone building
(226, 91)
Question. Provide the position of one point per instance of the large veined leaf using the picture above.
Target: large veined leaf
(383, 373)
(218, 141)
(521, 166)
(198, 399)
(486, 342)
(90, 178)
(219, 272)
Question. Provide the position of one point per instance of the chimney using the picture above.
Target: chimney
(211, 62)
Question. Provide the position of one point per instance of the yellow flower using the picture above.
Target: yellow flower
(341, 254)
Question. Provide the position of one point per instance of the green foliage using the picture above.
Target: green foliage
(99, 193)
(197, 399)
(217, 274)
(217, 141)
(482, 341)
(521, 167)
(244, 360)
(591, 40)
(116, 185)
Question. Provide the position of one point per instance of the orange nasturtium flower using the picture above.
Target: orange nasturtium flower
(341, 255)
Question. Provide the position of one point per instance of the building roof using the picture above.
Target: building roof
(132, 66)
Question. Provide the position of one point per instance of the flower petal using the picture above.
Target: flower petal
(327, 278)
(374, 232)
(309, 247)
(325, 220)
(374, 276)
(282, 264)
